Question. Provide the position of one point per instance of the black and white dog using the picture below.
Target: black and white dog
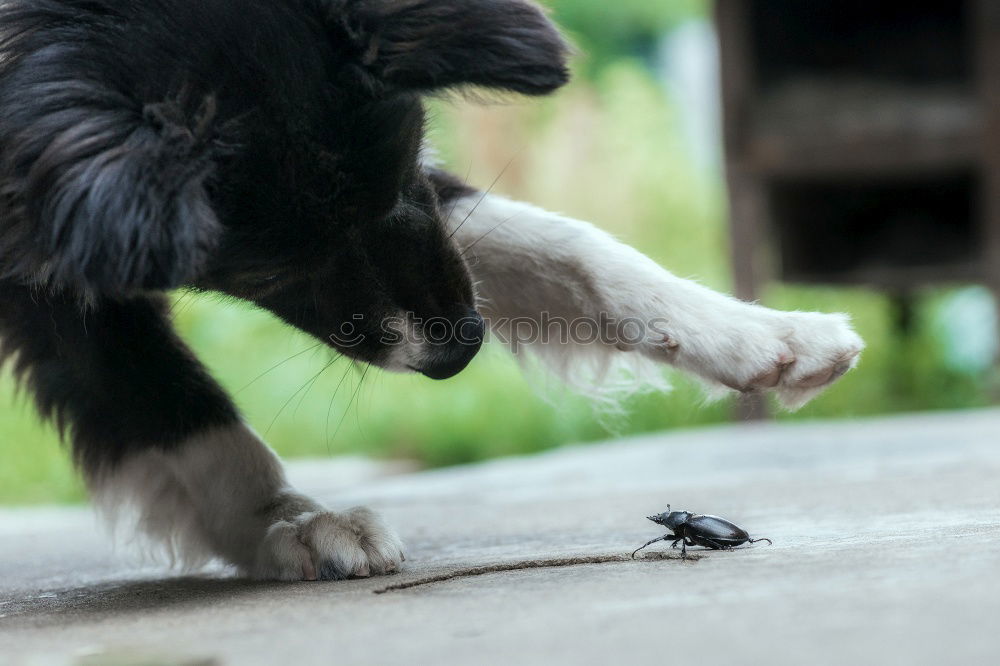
(272, 150)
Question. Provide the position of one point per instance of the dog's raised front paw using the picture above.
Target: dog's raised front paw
(795, 354)
(325, 545)
(823, 348)
(750, 348)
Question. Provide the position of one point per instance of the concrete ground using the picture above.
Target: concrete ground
(886, 550)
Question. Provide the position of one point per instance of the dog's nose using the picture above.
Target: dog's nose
(448, 357)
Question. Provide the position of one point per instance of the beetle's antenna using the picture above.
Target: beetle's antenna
(761, 539)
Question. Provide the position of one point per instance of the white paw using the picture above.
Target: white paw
(823, 348)
(749, 348)
(328, 546)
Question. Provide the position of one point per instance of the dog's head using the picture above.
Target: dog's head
(270, 150)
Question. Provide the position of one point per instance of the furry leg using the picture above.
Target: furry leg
(156, 437)
(222, 493)
(536, 270)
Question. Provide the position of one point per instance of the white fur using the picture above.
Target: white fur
(223, 494)
(527, 262)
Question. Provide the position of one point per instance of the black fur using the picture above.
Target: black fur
(431, 44)
(118, 376)
(267, 149)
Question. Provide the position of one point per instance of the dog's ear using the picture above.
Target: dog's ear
(103, 194)
(434, 44)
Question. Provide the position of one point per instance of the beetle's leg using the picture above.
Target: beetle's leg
(761, 539)
(662, 538)
(674, 544)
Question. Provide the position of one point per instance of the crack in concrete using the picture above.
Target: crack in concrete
(551, 563)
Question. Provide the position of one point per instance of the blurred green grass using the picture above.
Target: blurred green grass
(607, 150)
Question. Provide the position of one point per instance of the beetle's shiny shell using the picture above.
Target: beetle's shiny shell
(717, 529)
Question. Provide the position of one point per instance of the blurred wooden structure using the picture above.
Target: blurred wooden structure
(862, 142)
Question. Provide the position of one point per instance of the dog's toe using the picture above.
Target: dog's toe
(826, 349)
(826, 375)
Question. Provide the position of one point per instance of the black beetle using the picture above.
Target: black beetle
(692, 529)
